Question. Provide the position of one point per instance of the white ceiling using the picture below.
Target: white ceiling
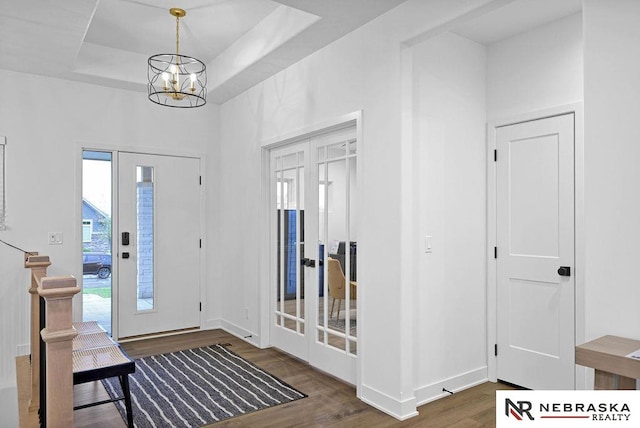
(108, 42)
(516, 17)
(242, 42)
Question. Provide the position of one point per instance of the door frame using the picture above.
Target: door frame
(114, 149)
(581, 373)
(331, 124)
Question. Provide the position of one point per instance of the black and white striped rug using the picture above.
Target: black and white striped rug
(197, 387)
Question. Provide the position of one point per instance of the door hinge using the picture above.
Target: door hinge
(495, 252)
(495, 349)
(495, 155)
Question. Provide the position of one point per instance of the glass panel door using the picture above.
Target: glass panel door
(314, 258)
(338, 286)
(288, 197)
(334, 347)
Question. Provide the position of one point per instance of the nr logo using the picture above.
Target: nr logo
(518, 409)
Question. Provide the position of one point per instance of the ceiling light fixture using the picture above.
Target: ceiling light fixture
(177, 80)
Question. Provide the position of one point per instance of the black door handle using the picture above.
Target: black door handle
(564, 271)
(125, 255)
(308, 262)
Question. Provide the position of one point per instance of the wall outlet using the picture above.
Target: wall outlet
(55, 238)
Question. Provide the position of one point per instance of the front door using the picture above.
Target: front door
(535, 253)
(314, 291)
(158, 244)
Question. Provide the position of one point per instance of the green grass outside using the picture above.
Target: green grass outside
(100, 291)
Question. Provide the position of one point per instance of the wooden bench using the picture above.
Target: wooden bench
(95, 357)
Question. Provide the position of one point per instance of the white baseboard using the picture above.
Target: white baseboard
(399, 409)
(427, 393)
(212, 323)
(240, 332)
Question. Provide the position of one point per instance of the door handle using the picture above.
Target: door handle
(564, 271)
(125, 255)
(307, 262)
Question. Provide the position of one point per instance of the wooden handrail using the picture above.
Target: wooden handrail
(38, 266)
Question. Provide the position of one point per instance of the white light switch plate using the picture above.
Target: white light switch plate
(428, 243)
(55, 238)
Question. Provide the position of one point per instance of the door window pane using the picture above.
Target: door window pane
(145, 237)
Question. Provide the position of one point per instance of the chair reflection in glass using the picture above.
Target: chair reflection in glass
(337, 289)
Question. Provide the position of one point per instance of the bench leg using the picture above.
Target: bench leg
(124, 383)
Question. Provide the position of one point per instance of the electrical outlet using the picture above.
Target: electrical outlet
(55, 238)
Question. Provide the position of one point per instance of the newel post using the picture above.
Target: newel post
(58, 334)
(38, 266)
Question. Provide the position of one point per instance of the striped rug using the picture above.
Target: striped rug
(197, 387)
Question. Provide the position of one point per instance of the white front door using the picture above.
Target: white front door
(158, 244)
(314, 291)
(535, 253)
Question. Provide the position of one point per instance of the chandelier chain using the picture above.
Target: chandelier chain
(177, 35)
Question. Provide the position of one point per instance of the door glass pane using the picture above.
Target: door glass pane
(96, 237)
(337, 280)
(289, 193)
(145, 237)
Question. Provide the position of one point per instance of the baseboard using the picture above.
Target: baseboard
(399, 409)
(212, 323)
(427, 393)
(241, 333)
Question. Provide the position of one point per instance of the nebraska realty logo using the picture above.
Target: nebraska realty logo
(567, 408)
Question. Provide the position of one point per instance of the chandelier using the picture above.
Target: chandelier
(177, 80)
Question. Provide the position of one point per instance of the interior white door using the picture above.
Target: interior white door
(288, 175)
(535, 253)
(159, 244)
(313, 194)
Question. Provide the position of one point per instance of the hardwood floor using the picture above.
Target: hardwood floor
(331, 403)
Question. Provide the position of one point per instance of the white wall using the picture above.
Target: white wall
(612, 173)
(536, 70)
(361, 71)
(47, 122)
(449, 116)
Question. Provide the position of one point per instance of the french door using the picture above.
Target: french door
(158, 244)
(314, 251)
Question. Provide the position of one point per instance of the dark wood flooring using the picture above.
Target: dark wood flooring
(331, 403)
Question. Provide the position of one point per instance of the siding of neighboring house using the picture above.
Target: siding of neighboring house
(98, 238)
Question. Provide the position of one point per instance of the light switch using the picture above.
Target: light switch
(55, 238)
(427, 243)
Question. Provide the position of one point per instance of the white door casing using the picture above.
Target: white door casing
(535, 237)
(174, 264)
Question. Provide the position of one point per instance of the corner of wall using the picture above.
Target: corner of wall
(241, 333)
(398, 408)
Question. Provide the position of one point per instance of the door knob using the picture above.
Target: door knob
(308, 262)
(564, 271)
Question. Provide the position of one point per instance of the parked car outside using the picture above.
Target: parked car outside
(96, 264)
